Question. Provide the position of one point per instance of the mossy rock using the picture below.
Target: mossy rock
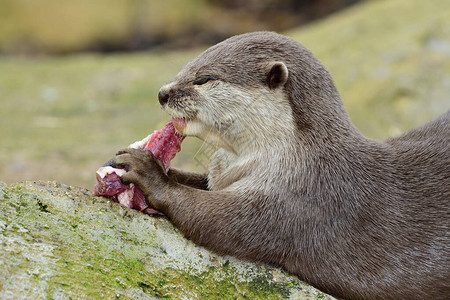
(61, 242)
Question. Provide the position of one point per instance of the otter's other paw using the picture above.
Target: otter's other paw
(144, 170)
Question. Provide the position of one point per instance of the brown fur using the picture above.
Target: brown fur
(357, 218)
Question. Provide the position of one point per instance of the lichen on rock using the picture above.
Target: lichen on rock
(60, 242)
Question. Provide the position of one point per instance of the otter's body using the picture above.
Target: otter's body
(295, 184)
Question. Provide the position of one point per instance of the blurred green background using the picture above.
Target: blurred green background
(79, 79)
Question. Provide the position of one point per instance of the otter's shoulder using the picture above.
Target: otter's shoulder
(435, 132)
(424, 152)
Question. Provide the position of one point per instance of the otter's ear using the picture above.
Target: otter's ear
(276, 74)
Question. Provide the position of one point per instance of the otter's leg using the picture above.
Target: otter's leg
(192, 179)
(210, 218)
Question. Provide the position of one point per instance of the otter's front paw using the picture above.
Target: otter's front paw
(145, 171)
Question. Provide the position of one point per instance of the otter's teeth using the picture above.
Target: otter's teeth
(179, 124)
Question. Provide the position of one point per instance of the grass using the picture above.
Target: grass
(62, 117)
(52, 26)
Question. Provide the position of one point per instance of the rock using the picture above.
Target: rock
(61, 242)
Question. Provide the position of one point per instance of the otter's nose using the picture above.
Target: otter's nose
(163, 98)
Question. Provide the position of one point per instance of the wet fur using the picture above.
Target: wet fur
(295, 184)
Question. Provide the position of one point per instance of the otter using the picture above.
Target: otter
(294, 183)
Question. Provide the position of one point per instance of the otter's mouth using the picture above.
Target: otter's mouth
(180, 124)
(196, 127)
(188, 126)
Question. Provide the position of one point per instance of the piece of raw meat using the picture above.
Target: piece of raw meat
(164, 144)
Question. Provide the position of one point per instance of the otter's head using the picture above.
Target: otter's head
(243, 91)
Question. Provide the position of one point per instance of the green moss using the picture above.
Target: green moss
(98, 277)
(263, 285)
(216, 285)
(94, 275)
(42, 207)
(83, 247)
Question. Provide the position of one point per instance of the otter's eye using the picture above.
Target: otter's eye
(204, 79)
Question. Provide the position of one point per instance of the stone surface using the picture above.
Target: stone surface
(61, 242)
